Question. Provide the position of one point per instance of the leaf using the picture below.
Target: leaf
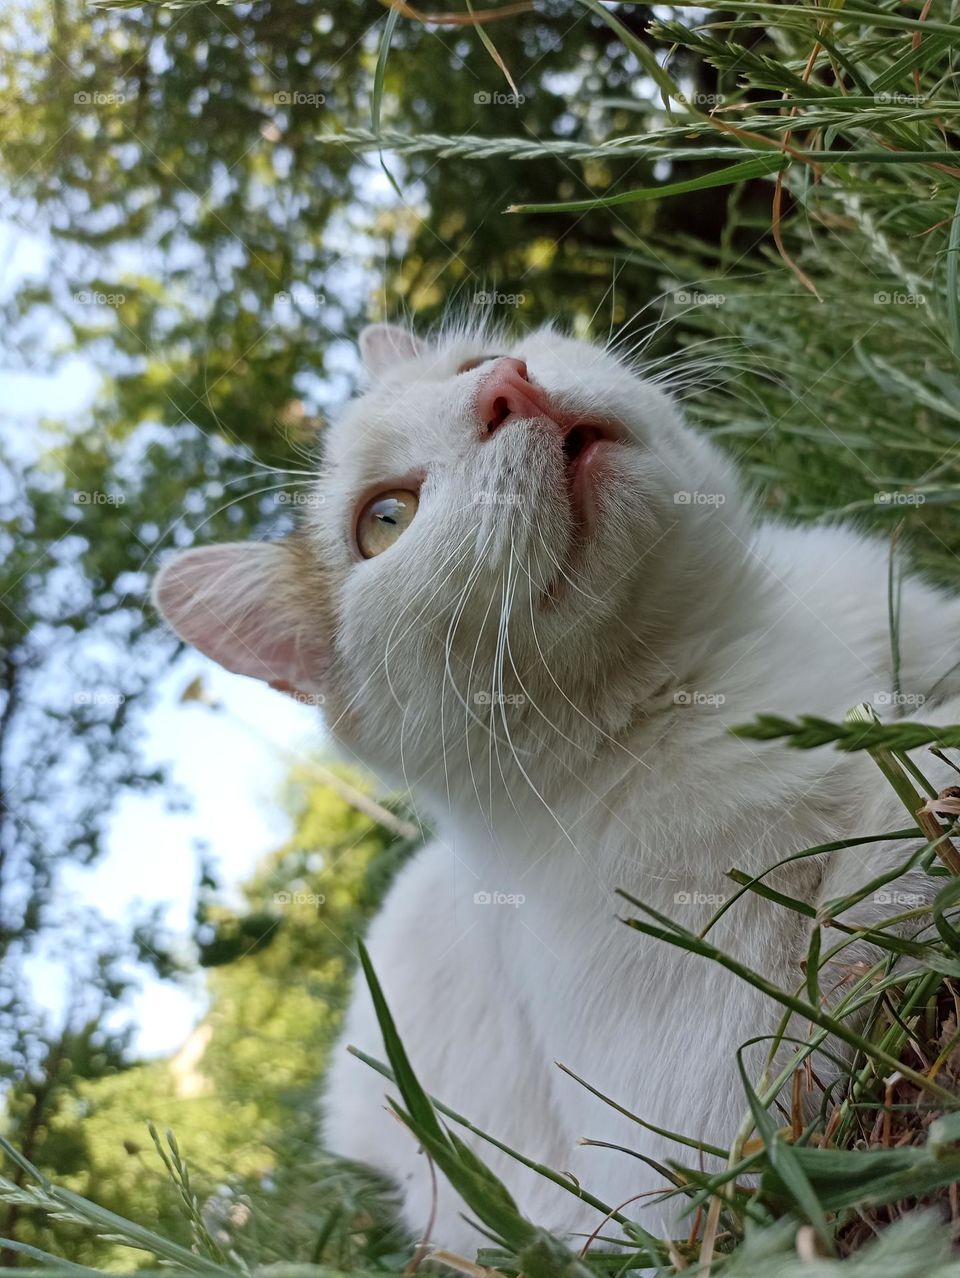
(752, 884)
(813, 967)
(844, 1178)
(480, 1189)
(759, 167)
(953, 281)
(379, 76)
(945, 899)
(415, 1098)
(784, 1163)
(487, 41)
(557, 1178)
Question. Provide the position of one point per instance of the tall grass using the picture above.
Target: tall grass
(842, 399)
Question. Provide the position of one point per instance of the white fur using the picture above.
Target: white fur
(561, 750)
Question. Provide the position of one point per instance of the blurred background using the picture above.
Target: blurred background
(189, 243)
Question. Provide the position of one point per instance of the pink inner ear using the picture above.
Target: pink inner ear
(238, 604)
(384, 345)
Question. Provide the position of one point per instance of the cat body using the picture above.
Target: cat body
(536, 601)
(489, 993)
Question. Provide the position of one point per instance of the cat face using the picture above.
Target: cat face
(509, 546)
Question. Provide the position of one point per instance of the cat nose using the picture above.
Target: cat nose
(507, 393)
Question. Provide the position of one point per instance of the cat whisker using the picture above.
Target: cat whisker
(499, 703)
(573, 705)
(493, 745)
(257, 492)
(389, 642)
(489, 727)
(455, 619)
(527, 695)
(558, 564)
(406, 706)
(410, 791)
(627, 330)
(373, 673)
(456, 614)
(610, 289)
(175, 523)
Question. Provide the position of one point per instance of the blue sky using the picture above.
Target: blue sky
(230, 763)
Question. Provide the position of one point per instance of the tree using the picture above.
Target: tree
(242, 1095)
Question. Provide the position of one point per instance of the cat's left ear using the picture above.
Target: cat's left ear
(382, 346)
(251, 606)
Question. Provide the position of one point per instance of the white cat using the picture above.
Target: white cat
(534, 598)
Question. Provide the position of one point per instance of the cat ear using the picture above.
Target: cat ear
(248, 606)
(384, 345)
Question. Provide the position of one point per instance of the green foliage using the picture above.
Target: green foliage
(810, 731)
(68, 570)
(242, 1096)
(278, 1007)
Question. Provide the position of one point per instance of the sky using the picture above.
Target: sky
(229, 763)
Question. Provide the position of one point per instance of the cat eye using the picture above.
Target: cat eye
(467, 365)
(383, 519)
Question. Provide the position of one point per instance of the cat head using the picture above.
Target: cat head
(511, 545)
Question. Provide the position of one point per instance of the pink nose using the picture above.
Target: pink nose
(506, 393)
